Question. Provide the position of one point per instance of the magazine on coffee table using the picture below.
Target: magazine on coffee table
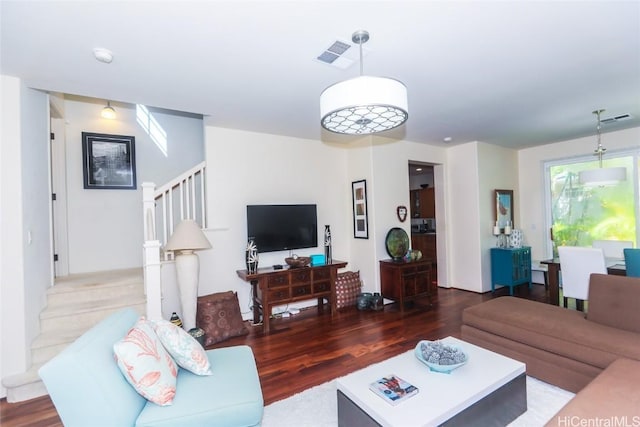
(393, 389)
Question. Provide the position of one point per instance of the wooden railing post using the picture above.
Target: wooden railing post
(149, 210)
(152, 279)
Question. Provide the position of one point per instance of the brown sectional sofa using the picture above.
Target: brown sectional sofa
(563, 347)
(569, 348)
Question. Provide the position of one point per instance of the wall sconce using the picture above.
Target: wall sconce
(108, 112)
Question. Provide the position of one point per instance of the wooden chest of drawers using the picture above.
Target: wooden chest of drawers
(407, 280)
(277, 287)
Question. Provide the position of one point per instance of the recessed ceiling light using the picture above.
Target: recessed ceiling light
(448, 139)
(103, 55)
(418, 169)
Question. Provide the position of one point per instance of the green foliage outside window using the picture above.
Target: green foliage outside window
(582, 214)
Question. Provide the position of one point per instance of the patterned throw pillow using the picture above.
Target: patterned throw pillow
(146, 364)
(348, 287)
(186, 351)
(219, 316)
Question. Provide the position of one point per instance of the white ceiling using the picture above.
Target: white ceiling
(512, 73)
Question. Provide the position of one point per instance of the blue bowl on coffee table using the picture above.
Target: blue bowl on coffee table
(436, 367)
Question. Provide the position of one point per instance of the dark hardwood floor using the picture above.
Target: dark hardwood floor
(311, 348)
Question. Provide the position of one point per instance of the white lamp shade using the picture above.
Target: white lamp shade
(364, 105)
(187, 236)
(603, 176)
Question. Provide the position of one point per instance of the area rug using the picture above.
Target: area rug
(318, 407)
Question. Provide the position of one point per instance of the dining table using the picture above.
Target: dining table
(553, 275)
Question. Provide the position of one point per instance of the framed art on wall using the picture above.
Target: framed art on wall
(108, 161)
(503, 208)
(360, 220)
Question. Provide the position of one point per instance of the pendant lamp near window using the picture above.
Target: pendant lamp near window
(365, 104)
(602, 176)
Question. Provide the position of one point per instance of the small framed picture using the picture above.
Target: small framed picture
(109, 161)
(503, 208)
(360, 220)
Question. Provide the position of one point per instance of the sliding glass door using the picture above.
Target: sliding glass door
(580, 214)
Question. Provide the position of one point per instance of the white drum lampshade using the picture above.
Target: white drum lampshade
(365, 104)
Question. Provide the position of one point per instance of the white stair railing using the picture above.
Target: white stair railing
(181, 198)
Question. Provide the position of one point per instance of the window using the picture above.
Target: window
(580, 214)
(152, 127)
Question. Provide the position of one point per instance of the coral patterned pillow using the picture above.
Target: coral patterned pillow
(146, 364)
(186, 351)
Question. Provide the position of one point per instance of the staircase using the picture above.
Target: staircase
(77, 302)
(74, 305)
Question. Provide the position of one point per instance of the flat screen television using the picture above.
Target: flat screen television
(282, 227)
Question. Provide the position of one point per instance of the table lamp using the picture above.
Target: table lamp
(187, 238)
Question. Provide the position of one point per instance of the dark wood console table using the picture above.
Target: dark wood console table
(272, 287)
(407, 280)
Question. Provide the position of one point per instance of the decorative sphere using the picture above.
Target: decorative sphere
(440, 357)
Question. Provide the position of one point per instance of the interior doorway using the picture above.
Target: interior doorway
(58, 184)
(422, 210)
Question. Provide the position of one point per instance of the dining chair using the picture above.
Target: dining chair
(632, 261)
(576, 265)
(612, 248)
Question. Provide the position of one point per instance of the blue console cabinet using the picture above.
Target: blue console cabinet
(510, 267)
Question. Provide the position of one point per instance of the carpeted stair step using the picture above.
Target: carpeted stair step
(48, 344)
(24, 386)
(86, 314)
(96, 286)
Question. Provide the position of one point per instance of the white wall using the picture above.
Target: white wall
(475, 170)
(25, 264)
(532, 215)
(12, 313)
(36, 201)
(362, 254)
(498, 169)
(390, 189)
(463, 209)
(250, 168)
(105, 225)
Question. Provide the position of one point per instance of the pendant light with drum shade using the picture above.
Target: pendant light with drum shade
(365, 104)
(602, 176)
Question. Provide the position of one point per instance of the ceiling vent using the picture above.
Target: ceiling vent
(620, 118)
(340, 55)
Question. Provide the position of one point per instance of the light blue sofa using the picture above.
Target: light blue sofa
(88, 389)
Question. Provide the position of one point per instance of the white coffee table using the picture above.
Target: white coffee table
(490, 389)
